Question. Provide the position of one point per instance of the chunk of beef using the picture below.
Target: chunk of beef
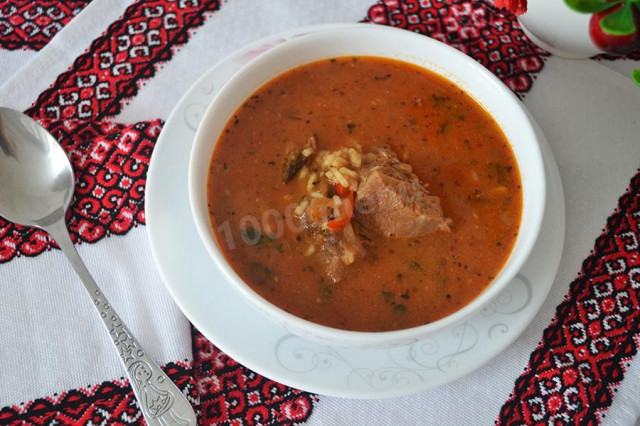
(392, 201)
(337, 248)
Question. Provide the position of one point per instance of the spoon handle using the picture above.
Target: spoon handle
(159, 398)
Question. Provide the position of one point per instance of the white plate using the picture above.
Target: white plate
(240, 331)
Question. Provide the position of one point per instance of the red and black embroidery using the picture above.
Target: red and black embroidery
(110, 162)
(231, 394)
(490, 36)
(573, 373)
(222, 391)
(634, 56)
(101, 80)
(31, 24)
(107, 403)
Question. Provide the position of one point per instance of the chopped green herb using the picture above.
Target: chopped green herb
(387, 295)
(261, 272)
(415, 266)
(443, 127)
(438, 100)
(280, 248)
(251, 236)
(382, 77)
(350, 127)
(400, 308)
(498, 171)
(467, 143)
(326, 291)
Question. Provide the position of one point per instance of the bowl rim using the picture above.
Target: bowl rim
(331, 335)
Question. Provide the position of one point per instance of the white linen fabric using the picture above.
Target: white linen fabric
(57, 341)
(52, 339)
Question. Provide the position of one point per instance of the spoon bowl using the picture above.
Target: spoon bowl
(35, 174)
(36, 186)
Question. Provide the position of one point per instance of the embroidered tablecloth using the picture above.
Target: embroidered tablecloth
(103, 76)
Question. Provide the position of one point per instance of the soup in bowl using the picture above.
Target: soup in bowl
(366, 187)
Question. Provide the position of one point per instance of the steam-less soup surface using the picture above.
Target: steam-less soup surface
(365, 194)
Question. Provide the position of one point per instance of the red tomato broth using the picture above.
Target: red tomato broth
(451, 142)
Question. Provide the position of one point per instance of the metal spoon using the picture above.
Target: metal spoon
(36, 185)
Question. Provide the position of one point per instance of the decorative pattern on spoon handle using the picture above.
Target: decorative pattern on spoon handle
(161, 402)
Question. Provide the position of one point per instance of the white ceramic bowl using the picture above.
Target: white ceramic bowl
(370, 40)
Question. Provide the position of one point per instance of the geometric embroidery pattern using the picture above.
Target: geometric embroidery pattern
(31, 24)
(113, 69)
(107, 403)
(110, 163)
(573, 374)
(492, 37)
(231, 394)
